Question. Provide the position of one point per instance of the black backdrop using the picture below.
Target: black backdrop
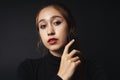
(96, 21)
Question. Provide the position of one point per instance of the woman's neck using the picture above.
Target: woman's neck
(57, 53)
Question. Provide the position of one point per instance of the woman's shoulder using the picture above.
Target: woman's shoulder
(28, 67)
(31, 62)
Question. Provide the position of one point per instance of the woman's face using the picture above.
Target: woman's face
(53, 28)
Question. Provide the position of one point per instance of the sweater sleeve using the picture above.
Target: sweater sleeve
(57, 78)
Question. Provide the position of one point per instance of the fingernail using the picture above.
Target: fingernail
(73, 39)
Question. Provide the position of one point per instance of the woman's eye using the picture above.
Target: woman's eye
(42, 26)
(57, 23)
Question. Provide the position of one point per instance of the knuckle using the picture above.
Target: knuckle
(66, 57)
(77, 57)
(66, 46)
(74, 50)
(69, 61)
(74, 64)
(78, 62)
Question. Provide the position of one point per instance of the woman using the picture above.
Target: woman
(56, 27)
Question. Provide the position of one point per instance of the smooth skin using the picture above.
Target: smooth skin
(52, 24)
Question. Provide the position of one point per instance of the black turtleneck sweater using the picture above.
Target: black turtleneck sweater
(46, 68)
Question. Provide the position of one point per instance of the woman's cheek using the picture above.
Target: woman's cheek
(43, 37)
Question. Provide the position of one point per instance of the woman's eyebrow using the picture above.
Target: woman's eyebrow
(56, 17)
(51, 17)
(41, 20)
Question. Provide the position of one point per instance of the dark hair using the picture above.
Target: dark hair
(62, 9)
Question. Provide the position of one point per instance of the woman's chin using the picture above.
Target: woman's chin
(54, 48)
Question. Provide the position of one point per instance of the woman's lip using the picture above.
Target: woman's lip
(52, 41)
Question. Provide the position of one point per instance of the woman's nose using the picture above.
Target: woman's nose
(50, 30)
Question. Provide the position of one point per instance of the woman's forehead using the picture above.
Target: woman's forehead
(49, 12)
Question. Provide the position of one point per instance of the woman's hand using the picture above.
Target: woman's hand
(69, 62)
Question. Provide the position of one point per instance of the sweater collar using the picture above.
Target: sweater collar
(53, 59)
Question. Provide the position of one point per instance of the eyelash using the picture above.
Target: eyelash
(42, 26)
(56, 23)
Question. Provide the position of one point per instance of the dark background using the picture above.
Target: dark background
(97, 23)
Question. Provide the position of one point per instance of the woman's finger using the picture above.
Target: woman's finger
(75, 59)
(68, 46)
(74, 52)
